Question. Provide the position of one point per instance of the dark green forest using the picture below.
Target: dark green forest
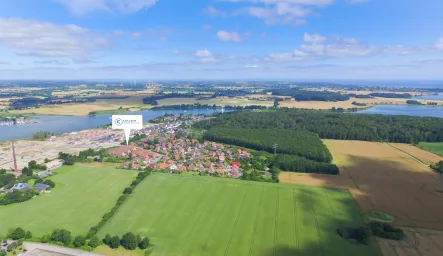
(303, 95)
(295, 142)
(292, 163)
(341, 126)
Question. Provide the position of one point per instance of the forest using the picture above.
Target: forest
(341, 126)
(303, 95)
(391, 95)
(294, 142)
(152, 100)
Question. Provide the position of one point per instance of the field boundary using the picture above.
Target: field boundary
(413, 157)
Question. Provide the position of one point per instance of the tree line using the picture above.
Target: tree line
(295, 142)
(341, 126)
(304, 95)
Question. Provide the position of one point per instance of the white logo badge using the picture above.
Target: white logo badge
(127, 122)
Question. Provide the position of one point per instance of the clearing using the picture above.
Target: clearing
(185, 215)
(382, 178)
(434, 147)
(81, 196)
(422, 155)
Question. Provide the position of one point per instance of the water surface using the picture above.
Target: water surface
(432, 111)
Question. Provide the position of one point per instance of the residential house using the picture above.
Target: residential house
(41, 188)
(221, 158)
(20, 186)
(163, 166)
(121, 151)
(221, 172)
(173, 167)
(181, 168)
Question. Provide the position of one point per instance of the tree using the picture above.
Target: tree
(115, 242)
(27, 171)
(61, 235)
(79, 241)
(16, 234)
(144, 243)
(94, 242)
(127, 190)
(32, 164)
(45, 238)
(129, 241)
(275, 103)
(50, 183)
(28, 235)
(47, 160)
(107, 239)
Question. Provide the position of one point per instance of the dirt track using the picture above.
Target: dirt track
(382, 178)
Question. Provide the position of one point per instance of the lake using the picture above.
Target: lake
(432, 111)
(64, 124)
(430, 97)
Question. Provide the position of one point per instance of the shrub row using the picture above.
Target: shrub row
(364, 233)
(125, 193)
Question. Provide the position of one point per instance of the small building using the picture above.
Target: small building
(54, 164)
(41, 188)
(44, 174)
(20, 186)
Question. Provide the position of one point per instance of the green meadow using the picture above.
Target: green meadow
(434, 147)
(81, 196)
(185, 215)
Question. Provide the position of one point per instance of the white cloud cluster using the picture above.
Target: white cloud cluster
(319, 47)
(229, 36)
(45, 39)
(81, 7)
(205, 56)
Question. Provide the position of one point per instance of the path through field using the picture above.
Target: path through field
(185, 215)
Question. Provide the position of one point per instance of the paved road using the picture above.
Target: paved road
(38, 249)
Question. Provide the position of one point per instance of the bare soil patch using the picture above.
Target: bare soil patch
(382, 178)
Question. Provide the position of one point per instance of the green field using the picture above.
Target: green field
(185, 215)
(434, 147)
(81, 196)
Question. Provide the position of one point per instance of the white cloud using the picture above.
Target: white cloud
(136, 35)
(81, 7)
(53, 62)
(439, 44)
(313, 38)
(280, 13)
(318, 47)
(215, 12)
(206, 27)
(203, 53)
(119, 33)
(45, 39)
(229, 36)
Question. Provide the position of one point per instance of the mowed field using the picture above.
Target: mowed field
(382, 178)
(81, 196)
(185, 215)
(422, 155)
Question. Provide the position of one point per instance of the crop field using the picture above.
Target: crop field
(436, 148)
(83, 109)
(422, 155)
(185, 215)
(220, 101)
(384, 179)
(81, 196)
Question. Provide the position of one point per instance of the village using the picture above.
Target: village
(169, 147)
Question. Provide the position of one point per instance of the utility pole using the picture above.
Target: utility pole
(14, 158)
(275, 148)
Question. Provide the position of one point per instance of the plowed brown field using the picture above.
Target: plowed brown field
(382, 178)
(422, 155)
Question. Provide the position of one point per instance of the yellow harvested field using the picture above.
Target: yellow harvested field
(422, 155)
(83, 109)
(382, 178)
(375, 91)
(238, 101)
(417, 242)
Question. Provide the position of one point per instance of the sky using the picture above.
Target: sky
(221, 39)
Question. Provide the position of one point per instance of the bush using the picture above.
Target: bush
(115, 242)
(62, 236)
(28, 235)
(94, 242)
(144, 243)
(45, 238)
(20, 242)
(79, 241)
(107, 239)
(127, 191)
(129, 241)
(16, 234)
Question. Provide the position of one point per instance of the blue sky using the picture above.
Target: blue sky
(250, 39)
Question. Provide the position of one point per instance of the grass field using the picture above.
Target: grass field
(81, 196)
(185, 215)
(436, 148)
(220, 101)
